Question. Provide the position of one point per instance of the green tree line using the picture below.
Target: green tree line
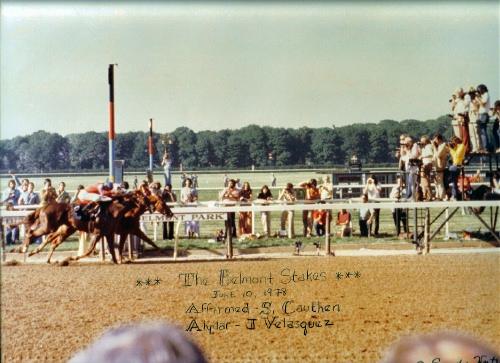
(261, 146)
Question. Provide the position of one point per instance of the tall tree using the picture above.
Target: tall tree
(185, 139)
(326, 147)
(88, 151)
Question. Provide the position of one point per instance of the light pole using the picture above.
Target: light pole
(111, 134)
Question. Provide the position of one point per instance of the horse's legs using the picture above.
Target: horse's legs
(48, 239)
(62, 233)
(110, 238)
(137, 231)
(93, 243)
(30, 236)
(123, 238)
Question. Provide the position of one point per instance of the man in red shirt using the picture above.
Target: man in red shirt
(344, 221)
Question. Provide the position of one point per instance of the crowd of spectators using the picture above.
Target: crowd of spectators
(441, 162)
(431, 168)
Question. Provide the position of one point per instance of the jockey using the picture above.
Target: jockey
(90, 197)
(100, 192)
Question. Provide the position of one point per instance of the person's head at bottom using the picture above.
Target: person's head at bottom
(442, 347)
(142, 343)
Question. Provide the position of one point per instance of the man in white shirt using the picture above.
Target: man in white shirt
(483, 100)
(410, 154)
(425, 173)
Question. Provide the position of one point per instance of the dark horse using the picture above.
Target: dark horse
(58, 221)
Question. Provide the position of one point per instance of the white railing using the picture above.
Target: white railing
(205, 208)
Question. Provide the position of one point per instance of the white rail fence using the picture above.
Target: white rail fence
(220, 211)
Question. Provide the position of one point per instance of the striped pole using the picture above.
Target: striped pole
(111, 135)
(150, 144)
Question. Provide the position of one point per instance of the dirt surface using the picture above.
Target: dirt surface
(50, 312)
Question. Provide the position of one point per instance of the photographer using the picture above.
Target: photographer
(483, 100)
(473, 114)
(440, 157)
(425, 172)
(410, 153)
(495, 116)
(399, 152)
(457, 152)
(399, 214)
(458, 108)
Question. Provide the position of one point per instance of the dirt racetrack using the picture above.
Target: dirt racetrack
(50, 312)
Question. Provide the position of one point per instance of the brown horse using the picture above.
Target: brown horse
(118, 214)
(129, 218)
(58, 221)
(129, 223)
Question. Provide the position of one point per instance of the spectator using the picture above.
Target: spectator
(455, 105)
(76, 197)
(230, 194)
(463, 118)
(145, 343)
(474, 130)
(496, 183)
(373, 190)
(399, 152)
(245, 218)
(23, 188)
(495, 117)
(312, 194)
(155, 188)
(265, 196)
(465, 186)
(238, 184)
(476, 178)
(457, 152)
(11, 194)
(364, 217)
(136, 182)
(62, 194)
(11, 230)
(320, 220)
(273, 180)
(441, 347)
(427, 157)
(399, 214)
(190, 195)
(168, 196)
(226, 181)
(483, 100)
(410, 154)
(287, 195)
(166, 162)
(48, 194)
(440, 158)
(30, 197)
(326, 189)
(344, 222)
(183, 180)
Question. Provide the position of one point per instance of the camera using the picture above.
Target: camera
(473, 94)
(415, 162)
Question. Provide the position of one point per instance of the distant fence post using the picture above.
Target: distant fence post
(328, 250)
(229, 235)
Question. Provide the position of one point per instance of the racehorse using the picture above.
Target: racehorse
(128, 221)
(58, 221)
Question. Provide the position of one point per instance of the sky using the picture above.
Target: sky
(216, 65)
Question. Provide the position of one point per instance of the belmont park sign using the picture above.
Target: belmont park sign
(184, 217)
